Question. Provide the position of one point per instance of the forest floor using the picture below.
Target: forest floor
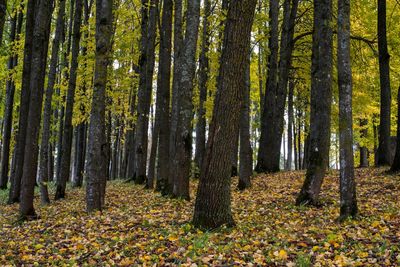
(140, 227)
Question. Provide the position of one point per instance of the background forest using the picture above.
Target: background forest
(186, 128)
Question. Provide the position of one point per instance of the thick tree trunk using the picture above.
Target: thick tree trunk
(16, 174)
(163, 96)
(178, 42)
(321, 98)
(386, 100)
(348, 198)
(46, 132)
(203, 78)
(16, 22)
(246, 152)
(213, 202)
(364, 162)
(97, 146)
(290, 127)
(68, 129)
(146, 63)
(43, 12)
(264, 159)
(396, 162)
(183, 150)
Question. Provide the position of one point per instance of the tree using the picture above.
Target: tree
(384, 157)
(203, 78)
(291, 127)
(44, 148)
(163, 95)
(43, 12)
(3, 12)
(321, 97)
(19, 150)
(348, 198)
(213, 201)
(16, 26)
(68, 128)
(246, 152)
(97, 154)
(146, 65)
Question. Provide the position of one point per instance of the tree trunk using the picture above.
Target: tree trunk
(203, 78)
(264, 159)
(364, 162)
(213, 202)
(16, 22)
(396, 162)
(290, 127)
(146, 63)
(3, 13)
(163, 96)
(97, 144)
(178, 42)
(43, 12)
(246, 152)
(348, 198)
(44, 148)
(68, 129)
(384, 77)
(16, 174)
(321, 98)
(183, 150)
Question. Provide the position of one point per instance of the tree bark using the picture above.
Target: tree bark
(146, 63)
(46, 132)
(43, 12)
(68, 128)
(246, 152)
(348, 198)
(3, 13)
(16, 174)
(203, 78)
(16, 25)
(384, 77)
(321, 98)
(163, 95)
(183, 150)
(264, 163)
(364, 162)
(290, 127)
(213, 202)
(97, 144)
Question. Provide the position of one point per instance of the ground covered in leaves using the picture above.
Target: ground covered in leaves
(140, 227)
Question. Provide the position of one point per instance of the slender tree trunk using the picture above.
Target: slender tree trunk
(396, 162)
(68, 129)
(290, 126)
(246, 152)
(183, 150)
(321, 97)
(44, 148)
(43, 12)
(3, 12)
(16, 174)
(364, 162)
(213, 202)
(163, 96)
(178, 43)
(16, 22)
(348, 198)
(97, 154)
(264, 159)
(203, 78)
(146, 63)
(295, 147)
(384, 75)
